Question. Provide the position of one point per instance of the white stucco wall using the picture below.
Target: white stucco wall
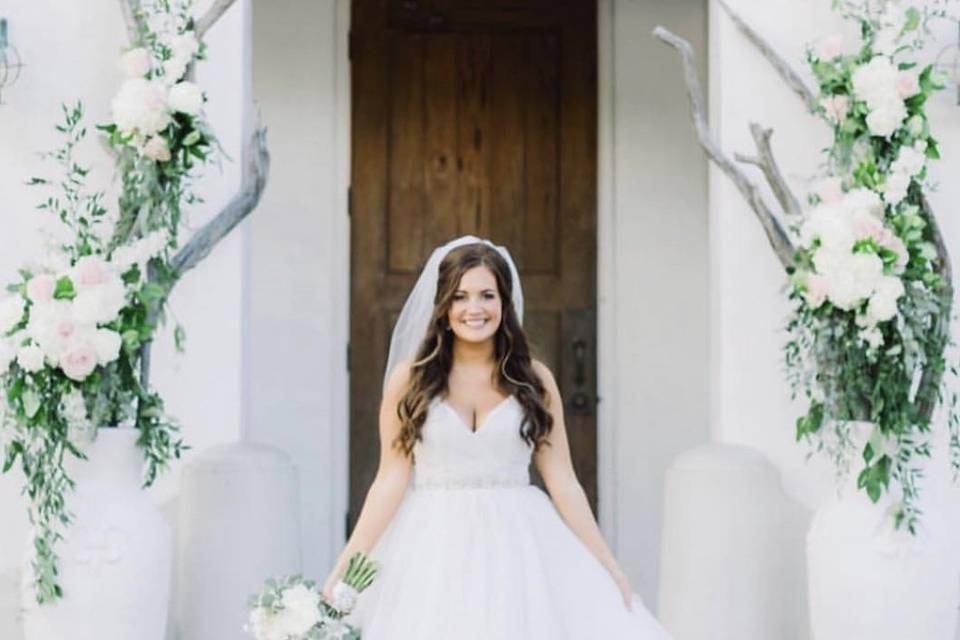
(299, 260)
(70, 51)
(653, 276)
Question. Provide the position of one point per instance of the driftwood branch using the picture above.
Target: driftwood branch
(133, 19)
(214, 13)
(771, 170)
(254, 180)
(928, 391)
(255, 174)
(791, 77)
(776, 235)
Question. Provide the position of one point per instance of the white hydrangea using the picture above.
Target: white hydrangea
(845, 278)
(141, 107)
(135, 63)
(344, 597)
(876, 83)
(186, 97)
(301, 609)
(30, 358)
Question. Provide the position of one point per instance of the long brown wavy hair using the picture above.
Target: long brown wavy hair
(430, 369)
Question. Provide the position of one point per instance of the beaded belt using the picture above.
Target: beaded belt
(441, 481)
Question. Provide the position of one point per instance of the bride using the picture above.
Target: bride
(468, 547)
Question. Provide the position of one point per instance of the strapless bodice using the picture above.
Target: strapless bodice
(452, 455)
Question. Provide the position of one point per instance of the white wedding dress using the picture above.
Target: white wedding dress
(475, 551)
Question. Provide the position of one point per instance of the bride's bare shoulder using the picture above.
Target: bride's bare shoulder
(546, 376)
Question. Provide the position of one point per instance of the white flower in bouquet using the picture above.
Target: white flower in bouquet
(836, 107)
(141, 107)
(876, 81)
(301, 609)
(266, 625)
(886, 118)
(30, 358)
(79, 360)
(185, 45)
(40, 288)
(156, 148)
(135, 63)
(344, 597)
(107, 345)
(883, 303)
(910, 161)
(51, 325)
(829, 47)
(11, 313)
(907, 84)
(100, 304)
(186, 97)
(895, 187)
(829, 190)
(872, 336)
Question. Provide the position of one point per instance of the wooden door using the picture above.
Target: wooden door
(474, 116)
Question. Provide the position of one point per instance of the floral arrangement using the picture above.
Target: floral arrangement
(75, 329)
(867, 333)
(291, 608)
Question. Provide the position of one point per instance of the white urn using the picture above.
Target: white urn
(868, 579)
(115, 558)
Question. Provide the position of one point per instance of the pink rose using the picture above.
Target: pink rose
(157, 149)
(815, 290)
(91, 271)
(830, 190)
(836, 107)
(867, 225)
(78, 361)
(40, 288)
(66, 328)
(829, 47)
(907, 84)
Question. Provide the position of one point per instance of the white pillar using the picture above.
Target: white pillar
(732, 563)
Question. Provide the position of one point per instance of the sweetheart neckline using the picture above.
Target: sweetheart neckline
(481, 427)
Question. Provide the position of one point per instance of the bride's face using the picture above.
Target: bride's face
(476, 309)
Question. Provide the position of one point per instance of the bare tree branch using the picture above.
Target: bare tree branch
(254, 181)
(771, 170)
(132, 17)
(777, 237)
(255, 175)
(793, 80)
(214, 13)
(929, 388)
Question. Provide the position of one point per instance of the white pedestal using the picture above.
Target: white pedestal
(239, 525)
(732, 563)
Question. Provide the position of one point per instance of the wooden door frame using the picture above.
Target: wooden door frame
(606, 413)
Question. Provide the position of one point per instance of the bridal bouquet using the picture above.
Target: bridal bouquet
(873, 303)
(291, 608)
(75, 328)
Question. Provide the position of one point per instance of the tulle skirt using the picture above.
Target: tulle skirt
(491, 563)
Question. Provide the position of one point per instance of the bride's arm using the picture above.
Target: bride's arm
(389, 484)
(556, 467)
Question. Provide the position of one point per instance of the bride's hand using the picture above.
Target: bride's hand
(329, 585)
(625, 590)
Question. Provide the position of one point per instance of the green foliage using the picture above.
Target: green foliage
(844, 379)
